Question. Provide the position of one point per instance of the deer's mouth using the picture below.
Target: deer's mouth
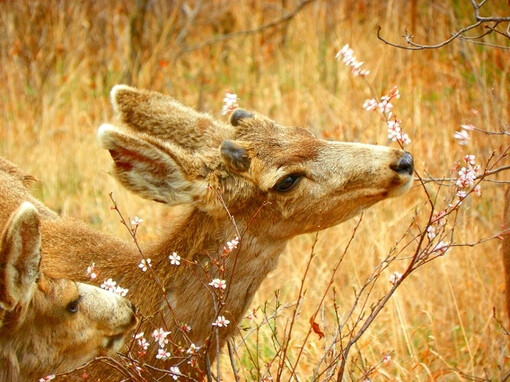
(114, 343)
(401, 189)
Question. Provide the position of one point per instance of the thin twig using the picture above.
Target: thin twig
(480, 20)
(289, 16)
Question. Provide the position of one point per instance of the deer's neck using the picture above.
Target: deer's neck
(202, 243)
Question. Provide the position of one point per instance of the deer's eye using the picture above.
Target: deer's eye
(73, 306)
(287, 182)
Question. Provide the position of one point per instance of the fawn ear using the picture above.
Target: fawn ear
(20, 256)
(155, 170)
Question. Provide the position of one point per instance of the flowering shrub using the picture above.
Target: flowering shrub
(424, 240)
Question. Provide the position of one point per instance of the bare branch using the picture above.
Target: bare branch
(289, 16)
(460, 34)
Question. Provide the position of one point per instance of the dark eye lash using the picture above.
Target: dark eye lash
(73, 306)
(287, 182)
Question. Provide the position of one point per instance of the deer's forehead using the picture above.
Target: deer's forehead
(62, 290)
(282, 146)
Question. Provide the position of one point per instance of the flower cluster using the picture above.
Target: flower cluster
(160, 338)
(230, 246)
(175, 372)
(112, 286)
(142, 343)
(221, 321)
(462, 136)
(467, 176)
(346, 54)
(193, 349)
(218, 284)
(163, 354)
(385, 106)
(438, 221)
(230, 102)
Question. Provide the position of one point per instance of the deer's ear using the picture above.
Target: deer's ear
(238, 115)
(20, 256)
(235, 155)
(155, 170)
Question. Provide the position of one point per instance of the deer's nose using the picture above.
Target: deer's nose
(405, 164)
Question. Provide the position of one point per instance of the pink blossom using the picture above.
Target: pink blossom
(441, 247)
(370, 104)
(47, 378)
(395, 278)
(218, 284)
(461, 194)
(160, 336)
(394, 93)
(468, 127)
(470, 159)
(467, 176)
(346, 54)
(431, 232)
(385, 105)
(112, 286)
(230, 102)
(193, 349)
(221, 321)
(174, 258)
(136, 221)
(163, 354)
(175, 372)
(462, 136)
(141, 341)
(91, 271)
(145, 264)
(233, 243)
(404, 139)
(230, 246)
(395, 133)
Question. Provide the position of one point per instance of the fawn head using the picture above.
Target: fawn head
(50, 325)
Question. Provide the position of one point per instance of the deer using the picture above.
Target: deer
(50, 325)
(249, 184)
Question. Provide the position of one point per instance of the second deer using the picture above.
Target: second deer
(49, 325)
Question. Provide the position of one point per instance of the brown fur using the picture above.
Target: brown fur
(170, 153)
(505, 249)
(40, 333)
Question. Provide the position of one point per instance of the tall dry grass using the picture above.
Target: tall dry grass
(59, 60)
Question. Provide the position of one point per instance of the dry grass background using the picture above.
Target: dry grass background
(59, 59)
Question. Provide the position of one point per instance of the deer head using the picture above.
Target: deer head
(172, 154)
(50, 325)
